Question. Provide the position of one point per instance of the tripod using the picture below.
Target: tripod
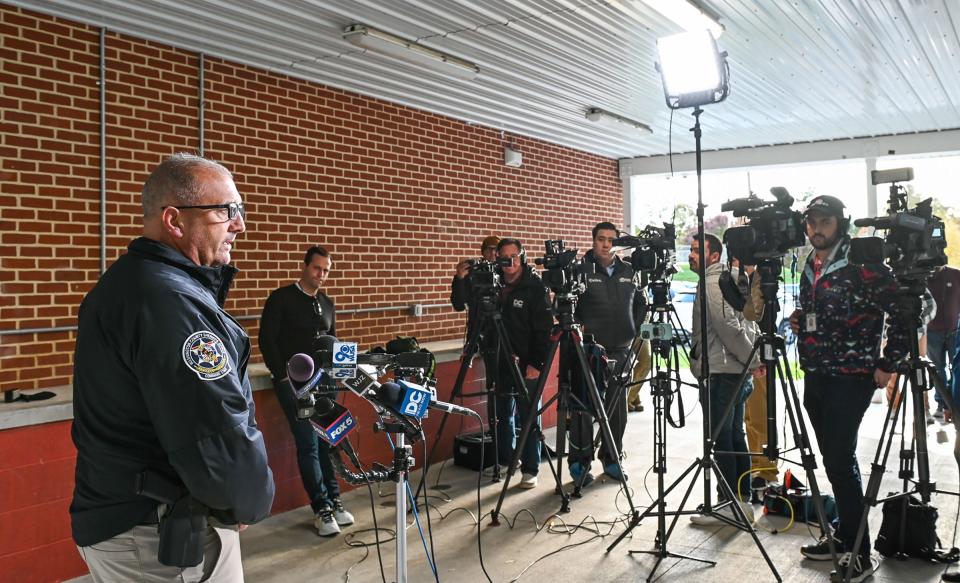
(488, 316)
(398, 473)
(665, 355)
(915, 374)
(566, 339)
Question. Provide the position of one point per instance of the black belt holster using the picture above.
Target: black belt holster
(183, 525)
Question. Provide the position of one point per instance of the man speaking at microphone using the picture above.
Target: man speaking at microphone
(294, 318)
(170, 461)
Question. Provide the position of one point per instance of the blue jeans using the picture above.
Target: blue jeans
(511, 414)
(940, 352)
(955, 350)
(313, 454)
(836, 405)
(731, 437)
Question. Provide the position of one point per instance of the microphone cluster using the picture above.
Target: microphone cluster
(339, 361)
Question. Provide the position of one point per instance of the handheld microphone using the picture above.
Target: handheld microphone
(300, 369)
(331, 421)
(405, 398)
(413, 400)
(339, 358)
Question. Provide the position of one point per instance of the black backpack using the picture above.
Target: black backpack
(920, 535)
(402, 344)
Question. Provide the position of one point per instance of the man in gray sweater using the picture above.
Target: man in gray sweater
(730, 340)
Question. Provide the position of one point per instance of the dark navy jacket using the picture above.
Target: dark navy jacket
(160, 383)
(527, 320)
(611, 306)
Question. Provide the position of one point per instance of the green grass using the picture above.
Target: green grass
(685, 274)
(795, 371)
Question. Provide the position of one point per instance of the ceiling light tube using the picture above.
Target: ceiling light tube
(400, 48)
(595, 114)
(687, 15)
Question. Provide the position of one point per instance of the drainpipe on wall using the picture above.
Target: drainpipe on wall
(103, 151)
(202, 103)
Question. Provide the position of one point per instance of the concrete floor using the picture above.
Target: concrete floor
(286, 547)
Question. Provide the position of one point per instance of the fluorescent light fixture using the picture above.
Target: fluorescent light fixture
(400, 48)
(693, 69)
(597, 115)
(687, 15)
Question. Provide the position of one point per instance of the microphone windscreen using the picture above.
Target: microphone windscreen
(325, 342)
(391, 392)
(300, 368)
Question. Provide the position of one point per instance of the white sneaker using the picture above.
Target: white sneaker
(488, 472)
(326, 523)
(340, 513)
(863, 568)
(877, 397)
(528, 481)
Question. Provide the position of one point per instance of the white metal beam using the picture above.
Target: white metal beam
(875, 147)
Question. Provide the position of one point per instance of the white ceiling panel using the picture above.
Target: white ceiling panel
(801, 71)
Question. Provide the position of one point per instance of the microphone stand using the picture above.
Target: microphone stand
(399, 473)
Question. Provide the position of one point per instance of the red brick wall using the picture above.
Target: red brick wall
(397, 194)
(37, 477)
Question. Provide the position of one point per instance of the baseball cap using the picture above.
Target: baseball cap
(826, 204)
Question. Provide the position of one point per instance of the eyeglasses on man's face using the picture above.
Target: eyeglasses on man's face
(226, 212)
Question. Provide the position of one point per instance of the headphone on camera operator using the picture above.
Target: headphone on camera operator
(521, 252)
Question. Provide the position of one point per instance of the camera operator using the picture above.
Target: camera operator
(839, 326)
(527, 319)
(945, 287)
(461, 292)
(730, 339)
(610, 309)
(170, 460)
(293, 318)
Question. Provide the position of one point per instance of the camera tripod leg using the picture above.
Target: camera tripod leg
(659, 505)
(896, 410)
(470, 351)
(912, 384)
(594, 394)
(528, 424)
(801, 438)
(493, 423)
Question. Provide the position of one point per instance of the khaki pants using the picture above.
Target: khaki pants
(132, 556)
(755, 418)
(641, 369)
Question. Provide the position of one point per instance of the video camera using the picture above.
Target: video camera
(485, 275)
(772, 228)
(654, 251)
(915, 242)
(564, 273)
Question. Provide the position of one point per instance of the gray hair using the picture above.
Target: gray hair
(176, 182)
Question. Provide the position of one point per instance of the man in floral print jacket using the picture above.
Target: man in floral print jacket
(839, 326)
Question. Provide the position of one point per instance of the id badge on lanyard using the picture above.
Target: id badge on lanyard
(811, 319)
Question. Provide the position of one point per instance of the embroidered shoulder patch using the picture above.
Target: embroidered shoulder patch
(205, 354)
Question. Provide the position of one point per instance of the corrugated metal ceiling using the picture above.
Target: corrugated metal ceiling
(801, 70)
